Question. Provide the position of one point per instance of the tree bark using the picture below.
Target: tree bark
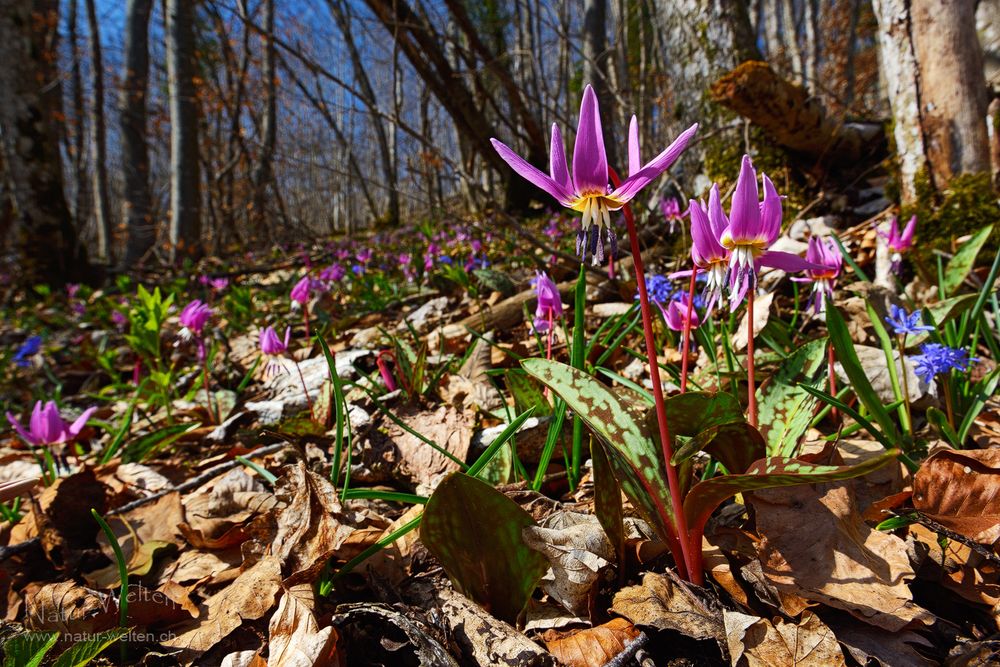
(75, 139)
(137, 202)
(30, 113)
(262, 174)
(185, 168)
(932, 65)
(98, 142)
(595, 69)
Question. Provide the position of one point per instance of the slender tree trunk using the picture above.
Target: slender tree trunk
(262, 174)
(98, 143)
(932, 66)
(75, 139)
(30, 109)
(137, 202)
(185, 168)
(595, 67)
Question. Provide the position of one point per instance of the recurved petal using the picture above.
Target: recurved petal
(786, 261)
(81, 421)
(716, 214)
(21, 431)
(631, 186)
(744, 217)
(590, 160)
(907, 236)
(558, 167)
(634, 157)
(531, 173)
(770, 212)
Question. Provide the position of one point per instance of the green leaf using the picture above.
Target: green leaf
(962, 262)
(840, 337)
(784, 409)
(83, 652)
(525, 392)
(475, 531)
(620, 423)
(29, 649)
(940, 421)
(713, 423)
(607, 498)
(145, 446)
(769, 473)
(736, 445)
(982, 391)
(940, 313)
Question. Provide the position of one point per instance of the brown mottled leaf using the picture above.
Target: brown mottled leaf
(592, 647)
(959, 490)
(295, 639)
(758, 642)
(665, 603)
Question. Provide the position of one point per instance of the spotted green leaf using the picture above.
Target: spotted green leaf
(713, 423)
(784, 409)
(766, 474)
(620, 423)
(475, 531)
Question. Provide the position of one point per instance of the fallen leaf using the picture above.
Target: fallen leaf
(761, 314)
(757, 642)
(665, 603)
(592, 647)
(447, 427)
(868, 644)
(68, 607)
(376, 634)
(295, 639)
(577, 550)
(839, 560)
(958, 489)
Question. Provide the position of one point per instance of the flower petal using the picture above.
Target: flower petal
(590, 161)
(907, 236)
(558, 167)
(81, 421)
(532, 174)
(631, 186)
(634, 158)
(786, 261)
(744, 217)
(21, 431)
(716, 214)
(770, 212)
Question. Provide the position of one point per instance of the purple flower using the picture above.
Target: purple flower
(675, 314)
(333, 273)
(300, 293)
(753, 227)
(671, 210)
(707, 251)
(194, 317)
(587, 190)
(899, 242)
(28, 349)
(659, 288)
(550, 304)
(358, 269)
(937, 358)
(119, 319)
(219, 284)
(903, 323)
(47, 426)
(342, 254)
(824, 253)
(364, 255)
(272, 347)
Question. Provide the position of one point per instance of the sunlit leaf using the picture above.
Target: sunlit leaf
(961, 263)
(784, 409)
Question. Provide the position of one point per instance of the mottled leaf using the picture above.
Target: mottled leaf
(491, 566)
(766, 474)
(961, 264)
(784, 409)
(607, 498)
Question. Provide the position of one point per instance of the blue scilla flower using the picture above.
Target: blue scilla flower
(660, 289)
(937, 358)
(28, 349)
(904, 323)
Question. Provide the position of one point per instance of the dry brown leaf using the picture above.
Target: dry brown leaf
(201, 566)
(839, 560)
(592, 647)
(248, 598)
(868, 644)
(757, 642)
(577, 550)
(295, 638)
(311, 526)
(450, 428)
(761, 314)
(959, 490)
(69, 608)
(217, 511)
(665, 603)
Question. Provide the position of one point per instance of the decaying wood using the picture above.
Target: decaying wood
(794, 119)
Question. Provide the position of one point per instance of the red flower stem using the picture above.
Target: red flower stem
(690, 562)
(830, 362)
(687, 332)
(208, 393)
(305, 388)
(751, 383)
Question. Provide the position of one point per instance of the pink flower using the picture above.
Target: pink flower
(823, 253)
(675, 314)
(671, 210)
(272, 347)
(899, 242)
(194, 317)
(47, 426)
(300, 293)
(550, 304)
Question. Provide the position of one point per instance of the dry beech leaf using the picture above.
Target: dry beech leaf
(664, 603)
(757, 642)
(249, 597)
(592, 647)
(295, 638)
(70, 608)
(577, 550)
(958, 489)
(450, 428)
(870, 645)
(839, 560)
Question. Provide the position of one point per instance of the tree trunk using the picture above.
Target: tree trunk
(185, 169)
(595, 69)
(137, 202)
(269, 130)
(98, 144)
(30, 113)
(75, 140)
(932, 65)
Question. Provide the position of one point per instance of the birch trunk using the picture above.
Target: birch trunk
(185, 169)
(98, 143)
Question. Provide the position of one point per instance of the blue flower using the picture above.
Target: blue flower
(659, 288)
(27, 350)
(903, 323)
(937, 358)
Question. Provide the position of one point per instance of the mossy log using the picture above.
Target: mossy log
(795, 120)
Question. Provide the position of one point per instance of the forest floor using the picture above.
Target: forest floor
(434, 502)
